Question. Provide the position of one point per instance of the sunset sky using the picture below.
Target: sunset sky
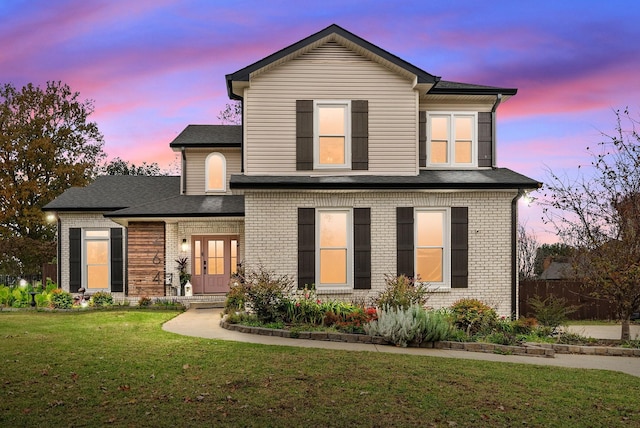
(154, 66)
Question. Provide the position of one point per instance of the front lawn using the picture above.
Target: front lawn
(120, 368)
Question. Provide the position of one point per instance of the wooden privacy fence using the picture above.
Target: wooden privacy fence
(589, 307)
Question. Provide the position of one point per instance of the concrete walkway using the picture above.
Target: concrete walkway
(206, 323)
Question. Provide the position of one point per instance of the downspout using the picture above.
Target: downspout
(494, 133)
(514, 254)
(59, 257)
(184, 170)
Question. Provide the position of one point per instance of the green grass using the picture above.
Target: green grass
(118, 368)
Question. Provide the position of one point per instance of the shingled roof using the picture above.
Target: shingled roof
(114, 192)
(209, 136)
(143, 196)
(485, 179)
(447, 87)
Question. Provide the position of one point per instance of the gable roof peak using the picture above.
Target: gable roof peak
(243, 74)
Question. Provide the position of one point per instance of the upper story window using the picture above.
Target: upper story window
(216, 173)
(332, 139)
(452, 140)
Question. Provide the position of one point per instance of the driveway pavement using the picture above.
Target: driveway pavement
(206, 323)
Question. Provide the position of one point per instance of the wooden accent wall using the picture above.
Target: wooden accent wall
(146, 256)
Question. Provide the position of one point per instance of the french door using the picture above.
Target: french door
(214, 259)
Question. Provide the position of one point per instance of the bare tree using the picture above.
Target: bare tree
(231, 114)
(527, 248)
(599, 215)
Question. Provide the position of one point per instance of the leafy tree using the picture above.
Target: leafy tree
(231, 114)
(118, 166)
(47, 145)
(600, 216)
(527, 247)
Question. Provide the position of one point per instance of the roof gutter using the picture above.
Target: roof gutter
(494, 133)
(514, 254)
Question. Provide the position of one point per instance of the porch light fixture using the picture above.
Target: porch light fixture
(184, 247)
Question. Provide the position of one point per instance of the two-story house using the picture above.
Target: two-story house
(350, 164)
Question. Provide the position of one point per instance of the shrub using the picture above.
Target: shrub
(524, 325)
(402, 292)
(236, 298)
(145, 302)
(101, 298)
(551, 312)
(61, 299)
(267, 294)
(414, 324)
(473, 316)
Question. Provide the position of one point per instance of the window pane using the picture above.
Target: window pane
(439, 128)
(463, 127)
(333, 266)
(197, 258)
(97, 252)
(438, 152)
(215, 169)
(331, 150)
(216, 257)
(234, 256)
(429, 264)
(333, 229)
(430, 231)
(331, 120)
(98, 276)
(463, 151)
(97, 233)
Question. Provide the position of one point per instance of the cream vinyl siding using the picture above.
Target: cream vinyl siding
(330, 72)
(196, 167)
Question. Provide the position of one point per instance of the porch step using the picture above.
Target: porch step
(206, 305)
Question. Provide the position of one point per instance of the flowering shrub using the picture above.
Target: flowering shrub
(402, 292)
(473, 316)
(101, 298)
(267, 294)
(236, 297)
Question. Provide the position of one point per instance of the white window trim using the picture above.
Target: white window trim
(207, 172)
(85, 266)
(451, 141)
(316, 134)
(349, 284)
(445, 284)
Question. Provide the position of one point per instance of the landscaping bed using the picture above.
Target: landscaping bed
(530, 349)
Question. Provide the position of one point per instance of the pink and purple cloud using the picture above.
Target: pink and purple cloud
(154, 66)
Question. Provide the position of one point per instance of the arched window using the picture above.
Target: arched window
(216, 173)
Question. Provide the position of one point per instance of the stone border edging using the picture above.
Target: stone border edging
(529, 349)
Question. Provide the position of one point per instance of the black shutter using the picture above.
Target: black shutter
(405, 247)
(304, 135)
(359, 135)
(306, 247)
(75, 259)
(485, 139)
(459, 247)
(117, 260)
(422, 139)
(362, 248)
